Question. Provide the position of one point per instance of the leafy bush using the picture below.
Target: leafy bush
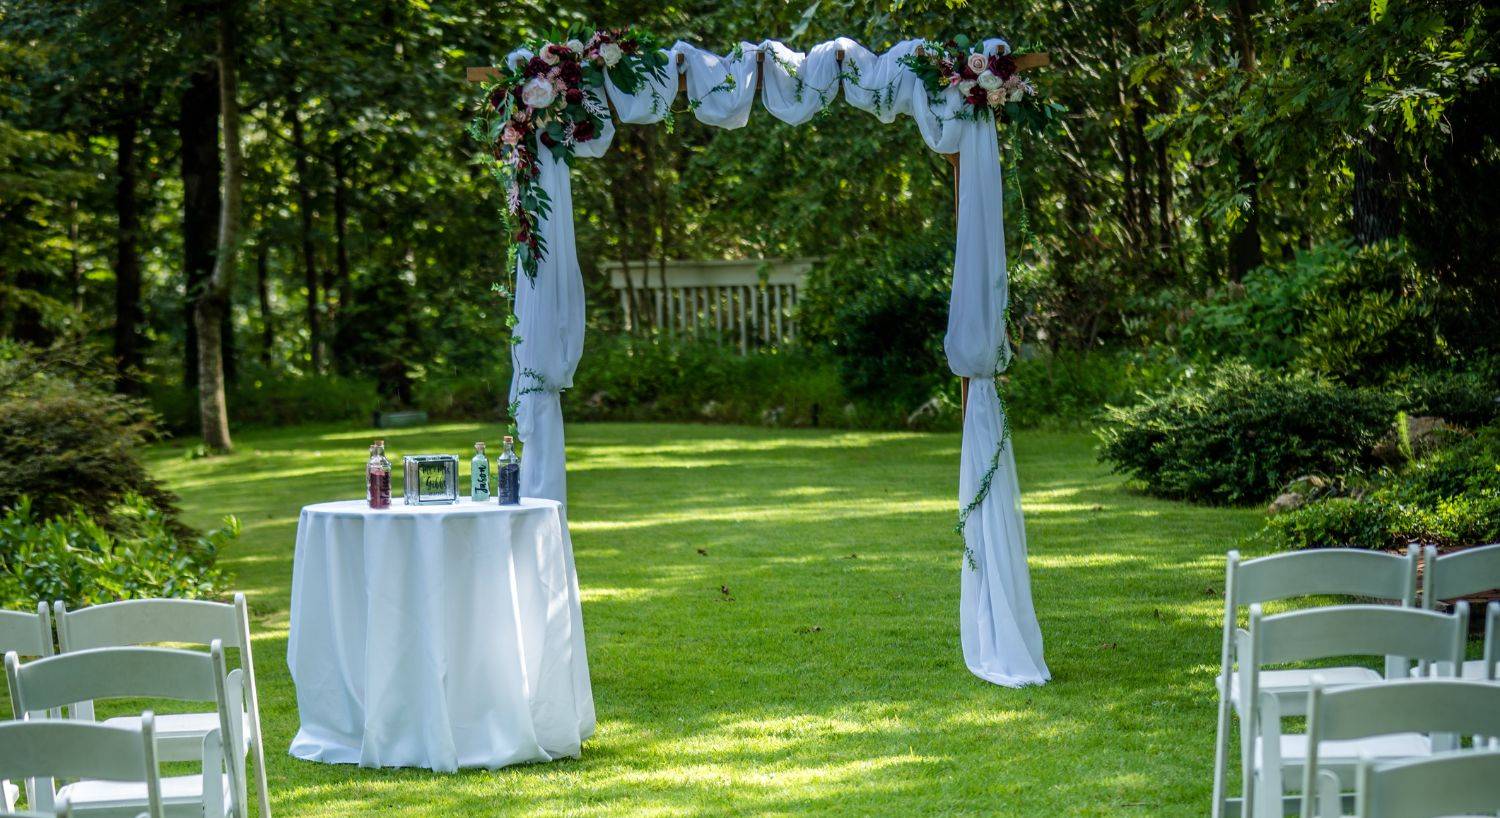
(1067, 388)
(261, 400)
(69, 442)
(626, 378)
(1468, 467)
(1239, 434)
(1450, 498)
(882, 313)
(74, 558)
(1469, 398)
(1353, 313)
(1379, 521)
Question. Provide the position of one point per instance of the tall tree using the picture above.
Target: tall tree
(213, 410)
(198, 129)
(129, 317)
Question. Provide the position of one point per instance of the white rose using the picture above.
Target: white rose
(547, 56)
(989, 81)
(965, 87)
(611, 54)
(575, 46)
(978, 62)
(538, 93)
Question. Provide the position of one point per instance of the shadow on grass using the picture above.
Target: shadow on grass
(772, 628)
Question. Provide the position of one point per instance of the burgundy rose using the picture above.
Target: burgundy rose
(978, 96)
(497, 97)
(583, 130)
(548, 140)
(966, 72)
(1002, 65)
(570, 73)
(629, 46)
(535, 67)
(573, 95)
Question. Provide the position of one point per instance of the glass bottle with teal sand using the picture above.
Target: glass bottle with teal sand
(479, 475)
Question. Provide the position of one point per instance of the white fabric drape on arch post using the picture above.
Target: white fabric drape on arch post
(1002, 641)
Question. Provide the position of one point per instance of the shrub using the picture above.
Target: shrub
(1239, 434)
(1469, 398)
(1450, 499)
(882, 312)
(1337, 522)
(67, 441)
(73, 558)
(267, 400)
(1353, 313)
(1068, 388)
(1470, 466)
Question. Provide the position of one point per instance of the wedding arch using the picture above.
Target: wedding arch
(556, 99)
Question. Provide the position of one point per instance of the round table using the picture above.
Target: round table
(440, 636)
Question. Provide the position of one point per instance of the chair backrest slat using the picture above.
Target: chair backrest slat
(1463, 782)
(1470, 571)
(1326, 572)
(71, 749)
(143, 621)
(1406, 706)
(28, 634)
(1361, 630)
(107, 673)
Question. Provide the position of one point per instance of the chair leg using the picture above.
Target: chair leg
(259, 751)
(1221, 757)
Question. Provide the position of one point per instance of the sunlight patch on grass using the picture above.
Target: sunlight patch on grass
(772, 626)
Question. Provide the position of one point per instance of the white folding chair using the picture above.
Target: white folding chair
(58, 748)
(1316, 634)
(159, 673)
(29, 635)
(147, 621)
(1320, 572)
(1342, 722)
(1460, 782)
(1471, 571)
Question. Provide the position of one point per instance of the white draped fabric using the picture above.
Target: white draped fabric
(1002, 641)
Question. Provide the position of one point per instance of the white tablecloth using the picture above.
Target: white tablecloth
(437, 636)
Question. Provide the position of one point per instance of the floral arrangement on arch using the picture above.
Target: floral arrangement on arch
(990, 84)
(555, 99)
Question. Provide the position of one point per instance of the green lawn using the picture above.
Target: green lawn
(829, 678)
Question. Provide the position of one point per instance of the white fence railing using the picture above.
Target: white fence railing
(752, 303)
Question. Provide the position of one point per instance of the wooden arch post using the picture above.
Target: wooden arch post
(1024, 62)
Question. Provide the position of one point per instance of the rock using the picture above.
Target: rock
(710, 409)
(773, 416)
(597, 400)
(1307, 484)
(1286, 502)
(1426, 433)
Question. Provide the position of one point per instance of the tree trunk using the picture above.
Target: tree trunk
(198, 128)
(1377, 206)
(263, 295)
(343, 284)
(305, 206)
(213, 410)
(128, 313)
(1245, 252)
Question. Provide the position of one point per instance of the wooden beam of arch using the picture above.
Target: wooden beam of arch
(1024, 62)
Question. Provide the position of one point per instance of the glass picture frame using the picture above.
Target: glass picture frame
(431, 479)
